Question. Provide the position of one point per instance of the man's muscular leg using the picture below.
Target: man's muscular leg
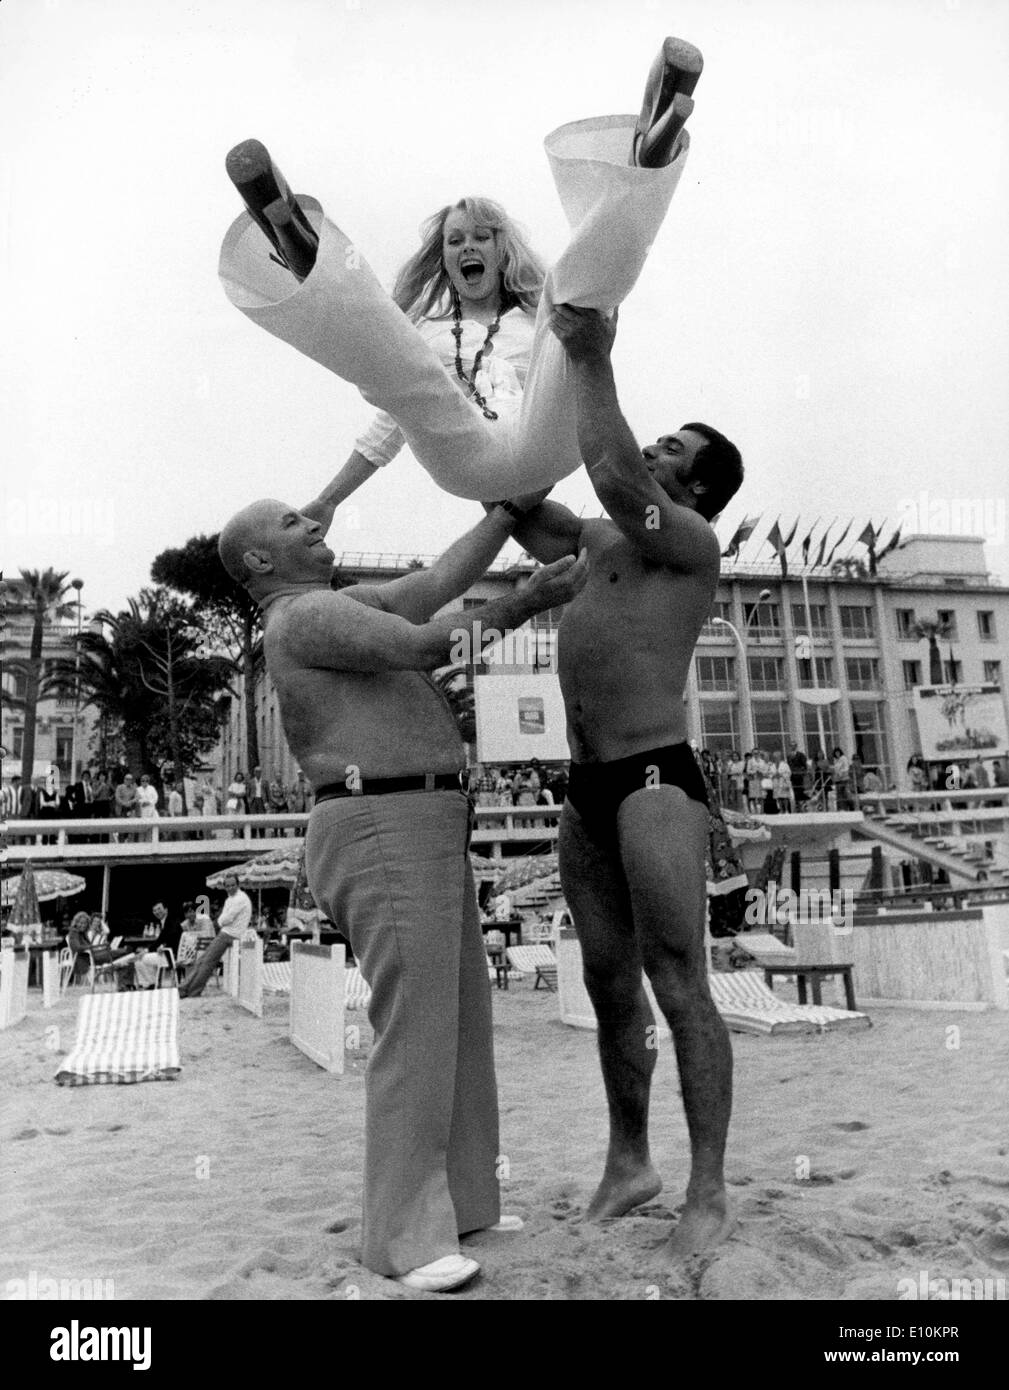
(596, 894)
(662, 843)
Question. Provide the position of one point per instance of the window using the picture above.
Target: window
(719, 609)
(19, 687)
(952, 672)
(64, 750)
(947, 616)
(819, 621)
(718, 726)
(986, 626)
(812, 715)
(870, 736)
(716, 673)
(767, 672)
(905, 624)
(862, 672)
(770, 725)
(856, 622)
(17, 742)
(912, 674)
(762, 619)
(993, 672)
(824, 672)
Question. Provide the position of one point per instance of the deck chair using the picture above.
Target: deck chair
(747, 1005)
(358, 991)
(540, 959)
(189, 949)
(766, 949)
(277, 977)
(123, 1038)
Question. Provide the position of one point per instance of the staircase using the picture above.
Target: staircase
(949, 852)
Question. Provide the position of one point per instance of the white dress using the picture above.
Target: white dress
(341, 317)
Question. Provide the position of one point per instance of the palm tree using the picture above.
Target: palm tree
(930, 630)
(40, 593)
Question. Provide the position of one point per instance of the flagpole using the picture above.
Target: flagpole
(812, 662)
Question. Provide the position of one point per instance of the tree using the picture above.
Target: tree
(231, 618)
(930, 630)
(42, 594)
(459, 694)
(850, 567)
(144, 669)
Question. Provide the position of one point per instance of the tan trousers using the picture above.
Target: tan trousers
(393, 874)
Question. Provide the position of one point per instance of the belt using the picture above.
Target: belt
(379, 786)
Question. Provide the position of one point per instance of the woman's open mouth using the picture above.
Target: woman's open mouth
(471, 270)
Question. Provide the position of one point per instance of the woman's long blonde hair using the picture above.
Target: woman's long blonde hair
(423, 289)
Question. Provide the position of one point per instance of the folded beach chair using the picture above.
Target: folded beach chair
(539, 958)
(766, 949)
(358, 990)
(13, 987)
(277, 977)
(748, 1006)
(124, 1038)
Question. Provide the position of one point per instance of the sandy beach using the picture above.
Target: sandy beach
(855, 1162)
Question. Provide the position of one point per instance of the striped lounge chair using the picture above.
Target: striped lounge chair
(277, 977)
(748, 1006)
(122, 1038)
(540, 959)
(358, 991)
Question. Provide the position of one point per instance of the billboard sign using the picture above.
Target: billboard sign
(961, 721)
(519, 717)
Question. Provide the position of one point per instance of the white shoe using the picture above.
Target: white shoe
(450, 1272)
(509, 1224)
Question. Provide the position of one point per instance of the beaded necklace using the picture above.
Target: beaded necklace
(470, 381)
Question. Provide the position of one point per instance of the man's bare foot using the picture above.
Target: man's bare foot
(621, 1191)
(705, 1224)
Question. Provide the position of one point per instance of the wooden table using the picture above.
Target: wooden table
(815, 973)
(499, 962)
(507, 929)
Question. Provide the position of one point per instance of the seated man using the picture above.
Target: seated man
(234, 920)
(151, 962)
(386, 856)
(635, 824)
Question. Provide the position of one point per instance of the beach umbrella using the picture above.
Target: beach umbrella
(46, 885)
(522, 872)
(279, 867)
(25, 916)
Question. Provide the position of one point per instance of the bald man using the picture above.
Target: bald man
(386, 856)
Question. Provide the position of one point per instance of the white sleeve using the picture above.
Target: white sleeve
(381, 441)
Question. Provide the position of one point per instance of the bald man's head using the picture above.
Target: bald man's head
(269, 543)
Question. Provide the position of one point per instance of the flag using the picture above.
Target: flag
(837, 544)
(780, 545)
(808, 540)
(791, 535)
(892, 544)
(868, 537)
(823, 542)
(742, 534)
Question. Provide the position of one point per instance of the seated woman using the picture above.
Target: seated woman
(85, 940)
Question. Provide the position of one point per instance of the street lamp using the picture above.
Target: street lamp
(745, 701)
(77, 584)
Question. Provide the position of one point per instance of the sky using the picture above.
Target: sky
(829, 288)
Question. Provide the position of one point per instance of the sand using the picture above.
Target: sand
(855, 1162)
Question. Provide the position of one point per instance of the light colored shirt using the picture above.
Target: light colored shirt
(236, 914)
(501, 376)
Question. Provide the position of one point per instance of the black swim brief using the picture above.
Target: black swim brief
(598, 790)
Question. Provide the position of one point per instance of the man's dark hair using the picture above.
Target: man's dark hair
(718, 464)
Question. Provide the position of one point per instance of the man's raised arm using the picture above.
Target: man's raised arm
(664, 531)
(329, 630)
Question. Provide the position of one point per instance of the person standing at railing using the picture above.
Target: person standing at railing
(101, 792)
(238, 796)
